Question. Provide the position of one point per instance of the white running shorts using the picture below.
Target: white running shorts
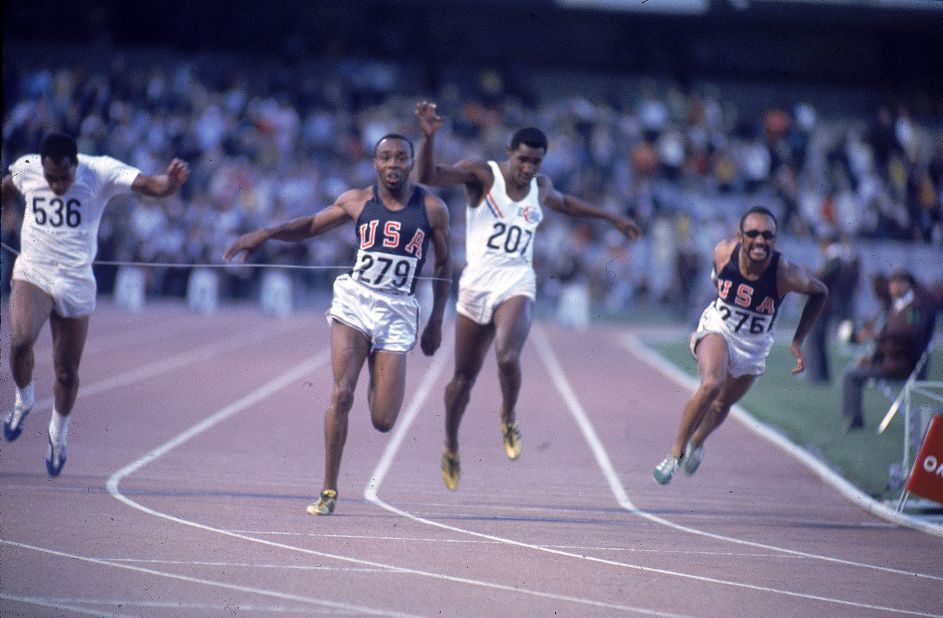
(73, 293)
(481, 291)
(740, 362)
(390, 321)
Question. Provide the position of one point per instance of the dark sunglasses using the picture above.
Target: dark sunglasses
(755, 233)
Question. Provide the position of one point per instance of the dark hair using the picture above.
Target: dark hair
(759, 210)
(530, 136)
(902, 274)
(59, 146)
(394, 136)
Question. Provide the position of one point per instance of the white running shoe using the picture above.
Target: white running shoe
(13, 423)
(692, 458)
(55, 458)
(664, 471)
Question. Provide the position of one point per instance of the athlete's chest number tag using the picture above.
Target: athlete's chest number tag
(382, 270)
(57, 212)
(509, 238)
(737, 319)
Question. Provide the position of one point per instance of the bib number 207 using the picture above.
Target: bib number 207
(509, 238)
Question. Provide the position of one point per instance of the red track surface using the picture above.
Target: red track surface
(196, 445)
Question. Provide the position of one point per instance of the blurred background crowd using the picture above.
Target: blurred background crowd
(271, 136)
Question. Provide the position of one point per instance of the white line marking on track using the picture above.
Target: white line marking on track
(66, 604)
(860, 499)
(362, 537)
(75, 605)
(371, 494)
(208, 582)
(283, 380)
(417, 539)
(246, 565)
(100, 343)
(178, 361)
(248, 400)
(386, 460)
(296, 373)
(514, 510)
(602, 458)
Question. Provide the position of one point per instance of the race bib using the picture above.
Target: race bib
(385, 271)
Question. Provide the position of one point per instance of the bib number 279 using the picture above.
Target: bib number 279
(384, 271)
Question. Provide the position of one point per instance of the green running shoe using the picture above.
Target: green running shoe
(692, 458)
(666, 469)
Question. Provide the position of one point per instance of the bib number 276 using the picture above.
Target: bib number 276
(742, 320)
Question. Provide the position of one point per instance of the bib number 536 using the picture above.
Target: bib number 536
(57, 212)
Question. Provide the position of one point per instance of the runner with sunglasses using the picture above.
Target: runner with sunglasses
(735, 333)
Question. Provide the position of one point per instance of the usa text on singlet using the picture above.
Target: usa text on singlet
(748, 308)
(392, 244)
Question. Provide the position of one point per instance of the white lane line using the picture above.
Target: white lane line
(434, 540)
(100, 343)
(431, 375)
(514, 511)
(66, 604)
(407, 418)
(246, 565)
(285, 379)
(860, 499)
(363, 537)
(285, 596)
(115, 480)
(399, 432)
(602, 458)
(75, 605)
(383, 467)
(292, 375)
(178, 361)
(849, 491)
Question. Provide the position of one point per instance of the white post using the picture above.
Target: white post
(276, 296)
(130, 288)
(203, 290)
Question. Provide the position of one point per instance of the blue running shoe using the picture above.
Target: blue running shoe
(55, 458)
(13, 423)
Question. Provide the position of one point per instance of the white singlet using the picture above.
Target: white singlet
(59, 237)
(63, 230)
(499, 246)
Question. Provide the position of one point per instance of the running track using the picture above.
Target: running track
(196, 445)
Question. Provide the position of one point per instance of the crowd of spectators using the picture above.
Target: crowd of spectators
(683, 161)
